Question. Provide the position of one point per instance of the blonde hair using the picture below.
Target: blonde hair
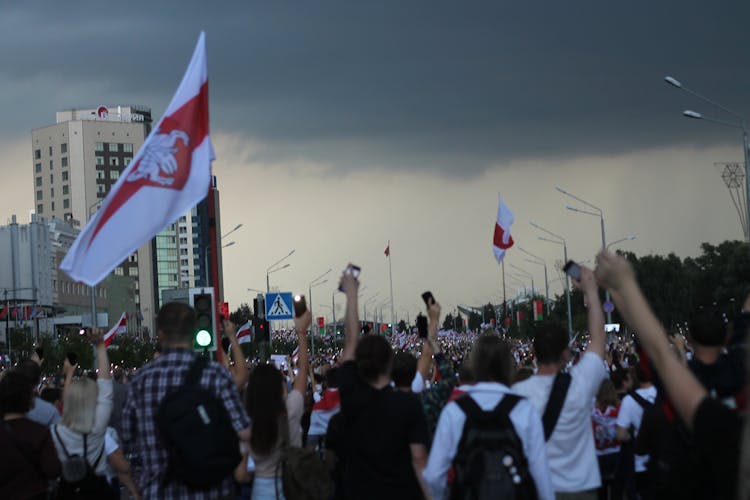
(79, 405)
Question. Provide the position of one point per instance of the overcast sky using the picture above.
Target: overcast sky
(340, 125)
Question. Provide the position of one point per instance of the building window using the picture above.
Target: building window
(39, 195)
(65, 176)
(100, 174)
(39, 209)
(99, 161)
(38, 168)
(37, 154)
(38, 182)
(51, 192)
(64, 161)
(119, 271)
(66, 189)
(127, 147)
(64, 148)
(51, 164)
(126, 161)
(51, 178)
(133, 271)
(66, 203)
(53, 206)
(114, 175)
(113, 146)
(101, 188)
(99, 146)
(114, 161)
(50, 150)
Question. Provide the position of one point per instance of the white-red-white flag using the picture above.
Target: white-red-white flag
(120, 327)
(245, 333)
(169, 175)
(502, 239)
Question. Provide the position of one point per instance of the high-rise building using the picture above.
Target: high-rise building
(77, 161)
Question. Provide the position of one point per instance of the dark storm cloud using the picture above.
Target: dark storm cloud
(448, 86)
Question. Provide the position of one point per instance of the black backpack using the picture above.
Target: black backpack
(196, 431)
(490, 462)
(78, 479)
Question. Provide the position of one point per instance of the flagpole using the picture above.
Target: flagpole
(390, 275)
(505, 302)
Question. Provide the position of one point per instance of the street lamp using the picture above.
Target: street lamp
(231, 243)
(230, 232)
(526, 274)
(627, 238)
(559, 240)
(741, 124)
(367, 302)
(316, 282)
(541, 262)
(271, 269)
(597, 213)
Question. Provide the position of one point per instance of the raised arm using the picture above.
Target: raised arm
(590, 290)
(239, 371)
(302, 324)
(96, 337)
(350, 285)
(685, 392)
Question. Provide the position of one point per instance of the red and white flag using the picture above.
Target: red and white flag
(120, 327)
(245, 333)
(502, 239)
(322, 412)
(168, 176)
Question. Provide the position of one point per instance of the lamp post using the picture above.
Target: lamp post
(627, 238)
(271, 269)
(367, 302)
(596, 213)
(235, 228)
(527, 275)
(539, 261)
(230, 244)
(559, 240)
(316, 282)
(741, 124)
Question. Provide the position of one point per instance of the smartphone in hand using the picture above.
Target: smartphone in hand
(300, 305)
(353, 270)
(428, 299)
(72, 358)
(573, 270)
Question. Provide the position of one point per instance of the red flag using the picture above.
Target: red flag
(502, 239)
(120, 327)
(169, 175)
(388, 250)
(4, 312)
(538, 310)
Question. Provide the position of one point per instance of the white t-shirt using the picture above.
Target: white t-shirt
(111, 445)
(631, 413)
(417, 385)
(570, 450)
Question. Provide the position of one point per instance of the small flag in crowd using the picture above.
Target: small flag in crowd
(168, 176)
(538, 310)
(120, 327)
(502, 239)
(4, 312)
(245, 333)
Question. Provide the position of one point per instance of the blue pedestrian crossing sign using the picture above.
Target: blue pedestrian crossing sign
(279, 306)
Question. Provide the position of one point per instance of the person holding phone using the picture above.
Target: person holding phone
(382, 434)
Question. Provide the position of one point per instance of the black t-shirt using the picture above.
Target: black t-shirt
(724, 378)
(717, 432)
(377, 427)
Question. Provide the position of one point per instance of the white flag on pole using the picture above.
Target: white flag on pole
(168, 176)
(502, 239)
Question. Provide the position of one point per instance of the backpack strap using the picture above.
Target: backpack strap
(642, 402)
(59, 440)
(193, 376)
(474, 412)
(552, 411)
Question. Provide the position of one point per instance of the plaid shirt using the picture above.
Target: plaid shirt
(139, 434)
(435, 398)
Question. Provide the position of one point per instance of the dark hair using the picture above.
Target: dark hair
(51, 394)
(607, 395)
(264, 399)
(118, 374)
(639, 375)
(491, 360)
(176, 321)
(708, 329)
(550, 341)
(332, 378)
(618, 378)
(522, 374)
(374, 357)
(16, 393)
(404, 369)
(465, 375)
(31, 370)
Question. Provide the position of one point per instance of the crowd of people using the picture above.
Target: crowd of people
(443, 416)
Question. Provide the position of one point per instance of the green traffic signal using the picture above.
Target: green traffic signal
(203, 338)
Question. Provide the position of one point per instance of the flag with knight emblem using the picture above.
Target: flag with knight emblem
(502, 240)
(168, 176)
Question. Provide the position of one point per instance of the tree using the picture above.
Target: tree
(242, 315)
(489, 313)
(402, 326)
(448, 323)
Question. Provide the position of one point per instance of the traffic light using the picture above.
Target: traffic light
(262, 333)
(202, 301)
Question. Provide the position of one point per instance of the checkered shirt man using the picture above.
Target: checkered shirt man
(139, 434)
